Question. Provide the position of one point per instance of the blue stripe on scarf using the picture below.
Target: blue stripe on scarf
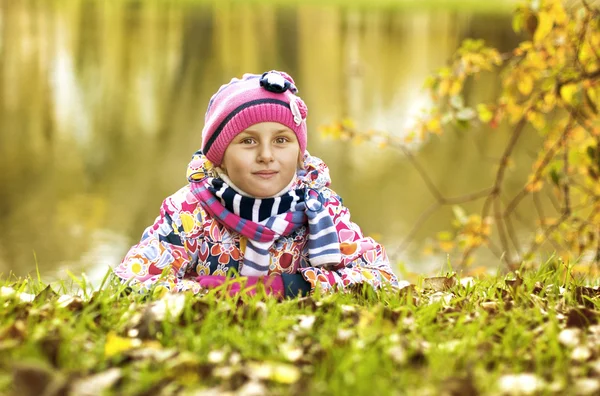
(323, 223)
(254, 265)
(327, 251)
(258, 250)
(240, 225)
(327, 239)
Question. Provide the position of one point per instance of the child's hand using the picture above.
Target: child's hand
(273, 285)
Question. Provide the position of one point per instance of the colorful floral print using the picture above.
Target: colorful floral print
(187, 241)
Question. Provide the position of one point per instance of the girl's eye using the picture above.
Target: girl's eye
(247, 141)
(281, 140)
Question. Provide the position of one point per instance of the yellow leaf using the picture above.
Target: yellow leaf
(539, 238)
(446, 246)
(545, 23)
(549, 101)
(348, 123)
(534, 186)
(525, 84)
(444, 87)
(518, 22)
(514, 111)
(433, 125)
(115, 344)
(567, 93)
(536, 119)
(445, 236)
(358, 139)
(455, 87)
(593, 94)
(484, 113)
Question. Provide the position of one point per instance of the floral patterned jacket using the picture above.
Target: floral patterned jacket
(190, 243)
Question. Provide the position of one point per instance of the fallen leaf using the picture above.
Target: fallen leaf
(115, 344)
(581, 317)
(344, 335)
(306, 321)
(520, 384)
(537, 288)
(514, 283)
(307, 302)
(7, 291)
(216, 357)
(581, 353)
(97, 384)
(149, 353)
(224, 372)
(398, 354)
(459, 386)
(170, 305)
(439, 283)
(16, 330)
(404, 284)
(584, 295)
(73, 303)
(586, 386)
(252, 388)
(595, 365)
(569, 337)
(46, 295)
(444, 298)
(467, 282)
(26, 297)
(291, 353)
(277, 372)
(35, 380)
(489, 306)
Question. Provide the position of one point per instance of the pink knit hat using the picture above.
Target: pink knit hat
(253, 99)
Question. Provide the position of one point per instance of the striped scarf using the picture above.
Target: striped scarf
(263, 221)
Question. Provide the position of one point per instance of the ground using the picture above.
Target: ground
(531, 333)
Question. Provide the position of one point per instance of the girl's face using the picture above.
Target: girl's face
(262, 159)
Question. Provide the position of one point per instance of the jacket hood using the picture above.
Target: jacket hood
(314, 175)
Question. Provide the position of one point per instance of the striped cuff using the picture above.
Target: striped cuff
(295, 285)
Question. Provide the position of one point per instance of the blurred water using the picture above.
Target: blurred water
(102, 104)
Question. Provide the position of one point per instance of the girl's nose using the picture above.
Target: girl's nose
(265, 153)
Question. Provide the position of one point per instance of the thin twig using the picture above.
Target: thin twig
(502, 232)
(467, 197)
(430, 185)
(538, 207)
(422, 218)
(535, 245)
(512, 234)
(538, 173)
(553, 200)
(502, 166)
(566, 187)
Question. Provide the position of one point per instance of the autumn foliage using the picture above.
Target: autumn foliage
(549, 85)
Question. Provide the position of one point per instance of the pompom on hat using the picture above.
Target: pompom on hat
(270, 97)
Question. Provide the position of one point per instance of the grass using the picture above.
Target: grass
(536, 332)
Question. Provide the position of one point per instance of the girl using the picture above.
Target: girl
(257, 205)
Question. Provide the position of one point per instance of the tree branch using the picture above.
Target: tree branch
(422, 218)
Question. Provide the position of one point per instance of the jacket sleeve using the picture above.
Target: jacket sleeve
(160, 259)
(364, 261)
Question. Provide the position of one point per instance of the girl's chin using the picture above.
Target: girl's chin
(264, 191)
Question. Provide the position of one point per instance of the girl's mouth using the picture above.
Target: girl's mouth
(265, 174)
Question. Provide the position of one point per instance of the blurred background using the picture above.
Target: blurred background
(102, 105)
